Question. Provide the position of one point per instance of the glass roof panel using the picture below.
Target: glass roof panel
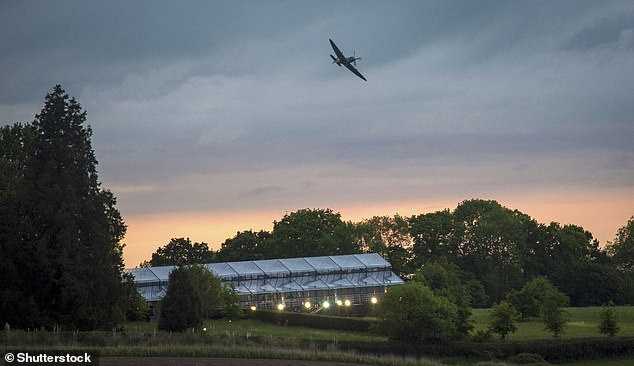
(163, 272)
(372, 260)
(246, 268)
(323, 264)
(272, 267)
(297, 265)
(222, 270)
(142, 275)
(348, 262)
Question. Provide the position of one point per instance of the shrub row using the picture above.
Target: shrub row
(312, 320)
(555, 350)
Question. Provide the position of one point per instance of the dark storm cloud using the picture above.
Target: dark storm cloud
(236, 105)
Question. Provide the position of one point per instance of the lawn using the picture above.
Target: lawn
(582, 322)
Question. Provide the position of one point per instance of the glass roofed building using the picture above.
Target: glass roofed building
(291, 282)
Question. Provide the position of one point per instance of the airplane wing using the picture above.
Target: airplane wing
(337, 52)
(355, 71)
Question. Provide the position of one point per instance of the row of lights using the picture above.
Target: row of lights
(325, 304)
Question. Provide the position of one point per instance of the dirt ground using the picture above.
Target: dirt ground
(208, 361)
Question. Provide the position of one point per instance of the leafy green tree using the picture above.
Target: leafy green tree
(503, 316)
(181, 307)
(444, 280)
(193, 294)
(63, 253)
(622, 248)
(17, 305)
(245, 245)
(135, 305)
(489, 237)
(529, 299)
(208, 286)
(307, 233)
(181, 251)
(434, 236)
(608, 323)
(231, 307)
(388, 236)
(413, 313)
(553, 315)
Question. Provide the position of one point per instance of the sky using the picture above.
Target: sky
(213, 117)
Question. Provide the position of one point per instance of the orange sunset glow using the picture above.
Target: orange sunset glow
(601, 213)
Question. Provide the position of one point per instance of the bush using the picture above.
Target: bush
(527, 359)
(193, 293)
(529, 300)
(607, 320)
(503, 319)
(412, 313)
(482, 336)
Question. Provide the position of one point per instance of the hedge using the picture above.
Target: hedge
(312, 320)
(554, 350)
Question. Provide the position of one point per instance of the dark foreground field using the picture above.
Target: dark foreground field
(208, 361)
(254, 342)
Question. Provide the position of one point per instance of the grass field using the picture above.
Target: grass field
(583, 322)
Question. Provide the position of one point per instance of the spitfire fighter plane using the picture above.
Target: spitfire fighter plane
(345, 61)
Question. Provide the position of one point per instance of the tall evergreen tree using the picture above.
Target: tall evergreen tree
(69, 258)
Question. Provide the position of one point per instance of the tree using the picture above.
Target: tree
(180, 308)
(307, 233)
(245, 245)
(503, 316)
(534, 293)
(63, 255)
(434, 236)
(135, 308)
(413, 313)
(489, 237)
(622, 248)
(388, 236)
(231, 307)
(193, 294)
(608, 324)
(554, 316)
(181, 251)
(444, 280)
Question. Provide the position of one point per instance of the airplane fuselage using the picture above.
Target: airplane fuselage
(347, 60)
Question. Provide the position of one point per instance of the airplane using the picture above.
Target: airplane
(345, 61)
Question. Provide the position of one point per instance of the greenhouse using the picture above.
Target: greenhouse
(310, 282)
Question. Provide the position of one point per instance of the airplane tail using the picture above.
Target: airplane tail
(334, 60)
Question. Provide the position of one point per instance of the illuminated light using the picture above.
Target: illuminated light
(204, 329)
(307, 304)
(347, 303)
(326, 304)
(280, 306)
(339, 302)
(373, 300)
(253, 307)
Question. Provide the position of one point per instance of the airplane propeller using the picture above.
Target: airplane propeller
(355, 58)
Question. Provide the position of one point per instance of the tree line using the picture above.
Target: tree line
(494, 249)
